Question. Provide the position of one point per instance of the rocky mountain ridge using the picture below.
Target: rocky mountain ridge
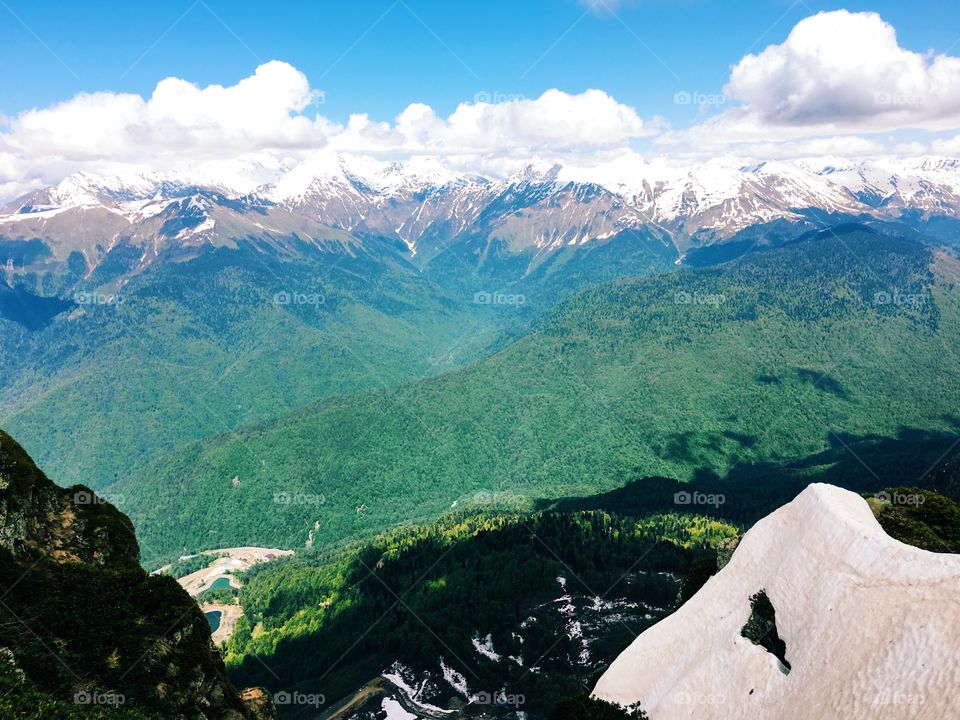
(426, 208)
(84, 625)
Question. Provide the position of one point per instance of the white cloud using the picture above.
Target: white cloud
(264, 110)
(837, 73)
(182, 124)
(842, 68)
(947, 146)
(554, 122)
(835, 85)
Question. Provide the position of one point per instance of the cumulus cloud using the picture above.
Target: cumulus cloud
(837, 75)
(263, 110)
(275, 110)
(947, 146)
(842, 67)
(836, 84)
(554, 122)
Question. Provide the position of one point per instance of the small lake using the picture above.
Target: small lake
(221, 583)
(213, 617)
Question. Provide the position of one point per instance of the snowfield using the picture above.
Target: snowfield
(871, 626)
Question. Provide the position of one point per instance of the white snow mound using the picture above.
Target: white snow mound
(871, 626)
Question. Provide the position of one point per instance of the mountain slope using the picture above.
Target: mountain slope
(868, 625)
(190, 349)
(500, 613)
(768, 359)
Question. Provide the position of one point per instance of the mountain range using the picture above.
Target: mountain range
(424, 206)
(329, 356)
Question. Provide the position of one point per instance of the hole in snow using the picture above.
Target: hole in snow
(761, 629)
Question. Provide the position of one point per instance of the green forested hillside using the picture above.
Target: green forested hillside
(769, 359)
(327, 623)
(201, 343)
(192, 349)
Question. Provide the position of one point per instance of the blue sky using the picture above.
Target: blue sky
(377, 56)
(480, 86)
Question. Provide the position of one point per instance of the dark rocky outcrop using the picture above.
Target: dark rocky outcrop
(83, 628)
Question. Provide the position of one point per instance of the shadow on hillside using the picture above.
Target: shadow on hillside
(748, 492)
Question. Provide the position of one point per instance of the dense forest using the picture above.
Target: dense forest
(781, 356)
(329, 622)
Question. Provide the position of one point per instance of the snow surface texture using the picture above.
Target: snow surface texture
(872, 627)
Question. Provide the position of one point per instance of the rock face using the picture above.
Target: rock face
(81, 622)
(871, 627)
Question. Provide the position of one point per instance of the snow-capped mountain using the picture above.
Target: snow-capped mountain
(429, 208)
(869, 626)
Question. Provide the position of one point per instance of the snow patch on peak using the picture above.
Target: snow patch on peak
(311, 176)
(537, 170)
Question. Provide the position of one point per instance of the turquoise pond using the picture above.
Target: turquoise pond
(221, 583)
